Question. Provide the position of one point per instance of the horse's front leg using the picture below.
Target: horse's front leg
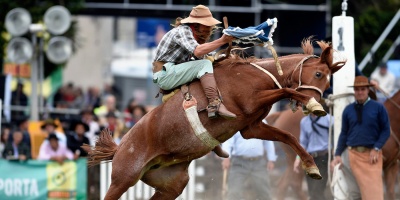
(267, 132)
(269, 97)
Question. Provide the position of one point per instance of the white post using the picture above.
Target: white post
(342, 41)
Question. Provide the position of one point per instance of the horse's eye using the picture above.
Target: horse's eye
(318, 74)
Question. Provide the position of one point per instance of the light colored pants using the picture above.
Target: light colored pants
(252, 172)
(352, 186)
(173, 75)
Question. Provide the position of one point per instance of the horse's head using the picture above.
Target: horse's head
(312, 74)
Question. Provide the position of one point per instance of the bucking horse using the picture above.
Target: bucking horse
(160, 147)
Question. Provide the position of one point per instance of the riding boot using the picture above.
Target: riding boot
(220, 152)
(215, 105)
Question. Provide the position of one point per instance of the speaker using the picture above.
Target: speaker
(19, 50)
(18, 21)
(59, 49)
(57, 20)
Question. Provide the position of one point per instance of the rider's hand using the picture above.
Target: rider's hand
(227, 38)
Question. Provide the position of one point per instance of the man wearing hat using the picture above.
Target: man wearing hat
(365, 129)
(54, 150)
(173, 65)
(385, 79)
(76, 138)
(49, 126)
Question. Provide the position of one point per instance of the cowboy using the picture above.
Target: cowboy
(365, 129)
(173, 66)
(49, 126)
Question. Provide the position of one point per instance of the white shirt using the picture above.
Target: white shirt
(238, 146)
(386, 82)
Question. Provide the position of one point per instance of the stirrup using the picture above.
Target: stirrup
(212, 108)
(212, 111)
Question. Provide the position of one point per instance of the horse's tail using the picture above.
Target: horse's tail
(104, 149)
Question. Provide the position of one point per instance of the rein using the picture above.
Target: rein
(268, 73)
(300, 64)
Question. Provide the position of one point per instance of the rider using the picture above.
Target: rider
(173, 65)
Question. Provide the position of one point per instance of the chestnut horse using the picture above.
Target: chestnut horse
(160, 147)
(289, 121)
(391, 149)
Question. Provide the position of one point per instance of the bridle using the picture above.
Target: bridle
(300, 66)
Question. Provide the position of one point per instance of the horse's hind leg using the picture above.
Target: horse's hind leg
(126, 172)
(168, 182)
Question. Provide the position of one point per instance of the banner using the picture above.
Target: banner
(35, 179)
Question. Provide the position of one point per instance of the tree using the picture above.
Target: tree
(371, 17)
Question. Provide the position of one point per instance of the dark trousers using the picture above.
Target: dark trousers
(316, 188)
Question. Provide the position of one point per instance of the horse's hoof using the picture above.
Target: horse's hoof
(313, 172)
(319, 112)
(315, 107)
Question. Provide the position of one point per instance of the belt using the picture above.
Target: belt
(360, 149)
(318, 153)
(158, 66)
(249, 158)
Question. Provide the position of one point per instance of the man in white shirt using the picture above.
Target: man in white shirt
(386, 81)
(248, 163)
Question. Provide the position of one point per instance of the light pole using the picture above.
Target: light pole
(18, 22)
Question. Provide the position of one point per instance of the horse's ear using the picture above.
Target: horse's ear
(326, 55)
(336, 66)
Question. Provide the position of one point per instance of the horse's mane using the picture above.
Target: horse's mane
(238, 55)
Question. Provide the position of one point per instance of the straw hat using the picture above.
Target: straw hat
(202, 15)
(361, 81)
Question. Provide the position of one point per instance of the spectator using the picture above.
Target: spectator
(115, 125)
(23, 125)
(55, 150)
(49, 126)
(137, 113)
(17, 149)
(94, 127)
(69, 94)
(92, 98)
(314, 137)
(110, 105)
(248, 165)
(18, 98)
(386, 81)
(5, 135)
(79, 100)
(365, 129)
(76, 138)
(129, 110)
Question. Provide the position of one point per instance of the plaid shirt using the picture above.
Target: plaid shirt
(177, 45)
